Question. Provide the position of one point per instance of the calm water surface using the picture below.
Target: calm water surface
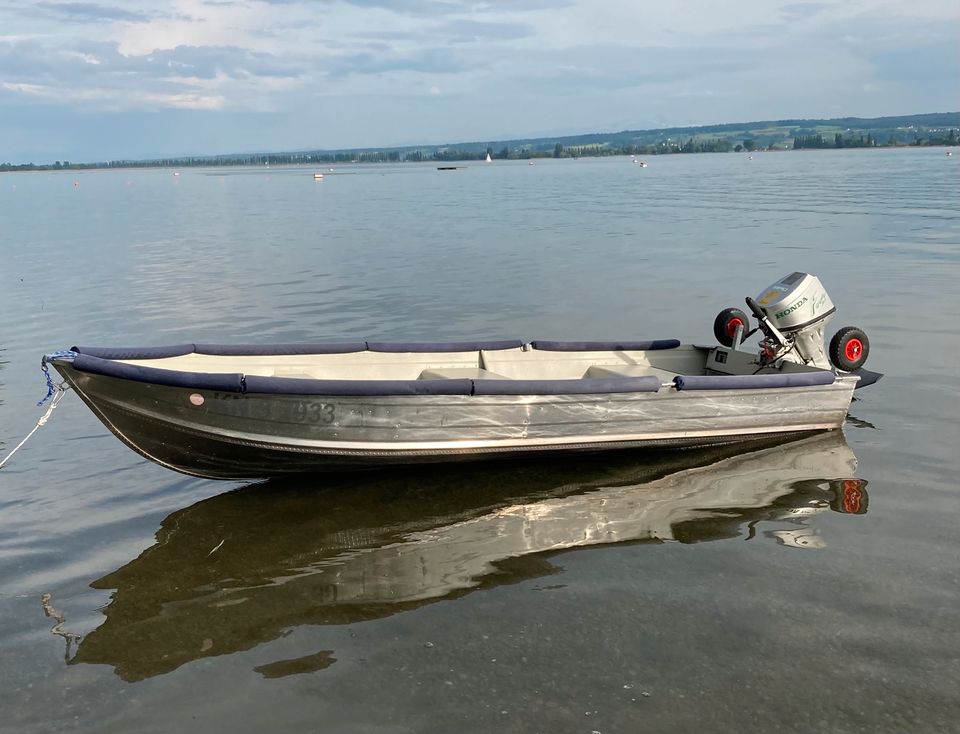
(812, 585)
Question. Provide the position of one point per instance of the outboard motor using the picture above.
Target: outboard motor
(792, 314)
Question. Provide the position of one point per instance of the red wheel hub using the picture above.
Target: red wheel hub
(852, 495)
(732, 325)
(853, 349)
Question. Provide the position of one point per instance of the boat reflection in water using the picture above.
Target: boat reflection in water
(240, 569)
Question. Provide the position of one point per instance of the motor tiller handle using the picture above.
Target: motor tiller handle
(757, 311)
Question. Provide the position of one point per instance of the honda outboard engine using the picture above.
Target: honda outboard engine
(792, 314)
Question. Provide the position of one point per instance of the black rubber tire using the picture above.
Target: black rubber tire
(722, 325)
(849, 349)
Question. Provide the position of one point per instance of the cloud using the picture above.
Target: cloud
(427, 61)
(505, 67)
(401, 7)
(460, 30)
(183, 77)
(211, 61)
(91, 12)
(801, 11)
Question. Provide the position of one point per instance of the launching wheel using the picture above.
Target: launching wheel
(849, 349)
(726, 323)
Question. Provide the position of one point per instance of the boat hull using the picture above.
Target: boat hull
(230, 435)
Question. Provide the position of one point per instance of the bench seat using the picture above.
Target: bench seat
(459, 373)
(629, 370)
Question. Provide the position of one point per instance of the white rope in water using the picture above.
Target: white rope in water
(60, 391)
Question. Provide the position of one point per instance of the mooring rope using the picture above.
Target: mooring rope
(55, 391)
(46, 370)
(58, 392)
(50, 611)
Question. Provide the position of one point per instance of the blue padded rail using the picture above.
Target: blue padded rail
(614, 346)
(235, 382)
(752, 382)
(444, 346)
(298, 386)
(266, 350)
(263, 350)
(648, 383)
(136, 352)
(226, 382)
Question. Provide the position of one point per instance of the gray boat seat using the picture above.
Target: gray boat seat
(458, 373)
(628, 370)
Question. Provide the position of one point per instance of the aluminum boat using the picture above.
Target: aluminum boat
(259, 411)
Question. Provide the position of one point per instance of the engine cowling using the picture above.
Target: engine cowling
(799, 307)
(795, 302)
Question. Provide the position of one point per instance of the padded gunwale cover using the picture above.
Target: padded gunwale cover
(608, 346)
(265, 350)
(753, 382)
(226, 382)
(235, 382)
(359, 388)
(178, 350)
(474, 346)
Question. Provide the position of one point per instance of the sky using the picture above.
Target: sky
(92, 81)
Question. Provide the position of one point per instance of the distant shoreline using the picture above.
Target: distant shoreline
(143, 166)
(937, 129)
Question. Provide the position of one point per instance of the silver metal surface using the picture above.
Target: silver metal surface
(234, 435)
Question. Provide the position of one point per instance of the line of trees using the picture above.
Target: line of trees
(839, 140)
(558, 150)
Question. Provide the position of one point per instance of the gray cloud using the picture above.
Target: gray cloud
(429, 61)
(208, 61)
(403, 7)
(473, 30)
(34, 62)
(95, 75)
(364, 82)
(91, 12)
(432, 8)
(618, 67)
(801, 11)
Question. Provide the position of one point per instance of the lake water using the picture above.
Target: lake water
(798, 587)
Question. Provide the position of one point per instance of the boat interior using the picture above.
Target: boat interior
(504, 360)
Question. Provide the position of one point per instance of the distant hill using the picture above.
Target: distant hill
(903, 130)
(936, 128)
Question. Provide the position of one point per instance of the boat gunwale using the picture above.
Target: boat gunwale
(386, 347)
(237, 382)
(152, 418)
